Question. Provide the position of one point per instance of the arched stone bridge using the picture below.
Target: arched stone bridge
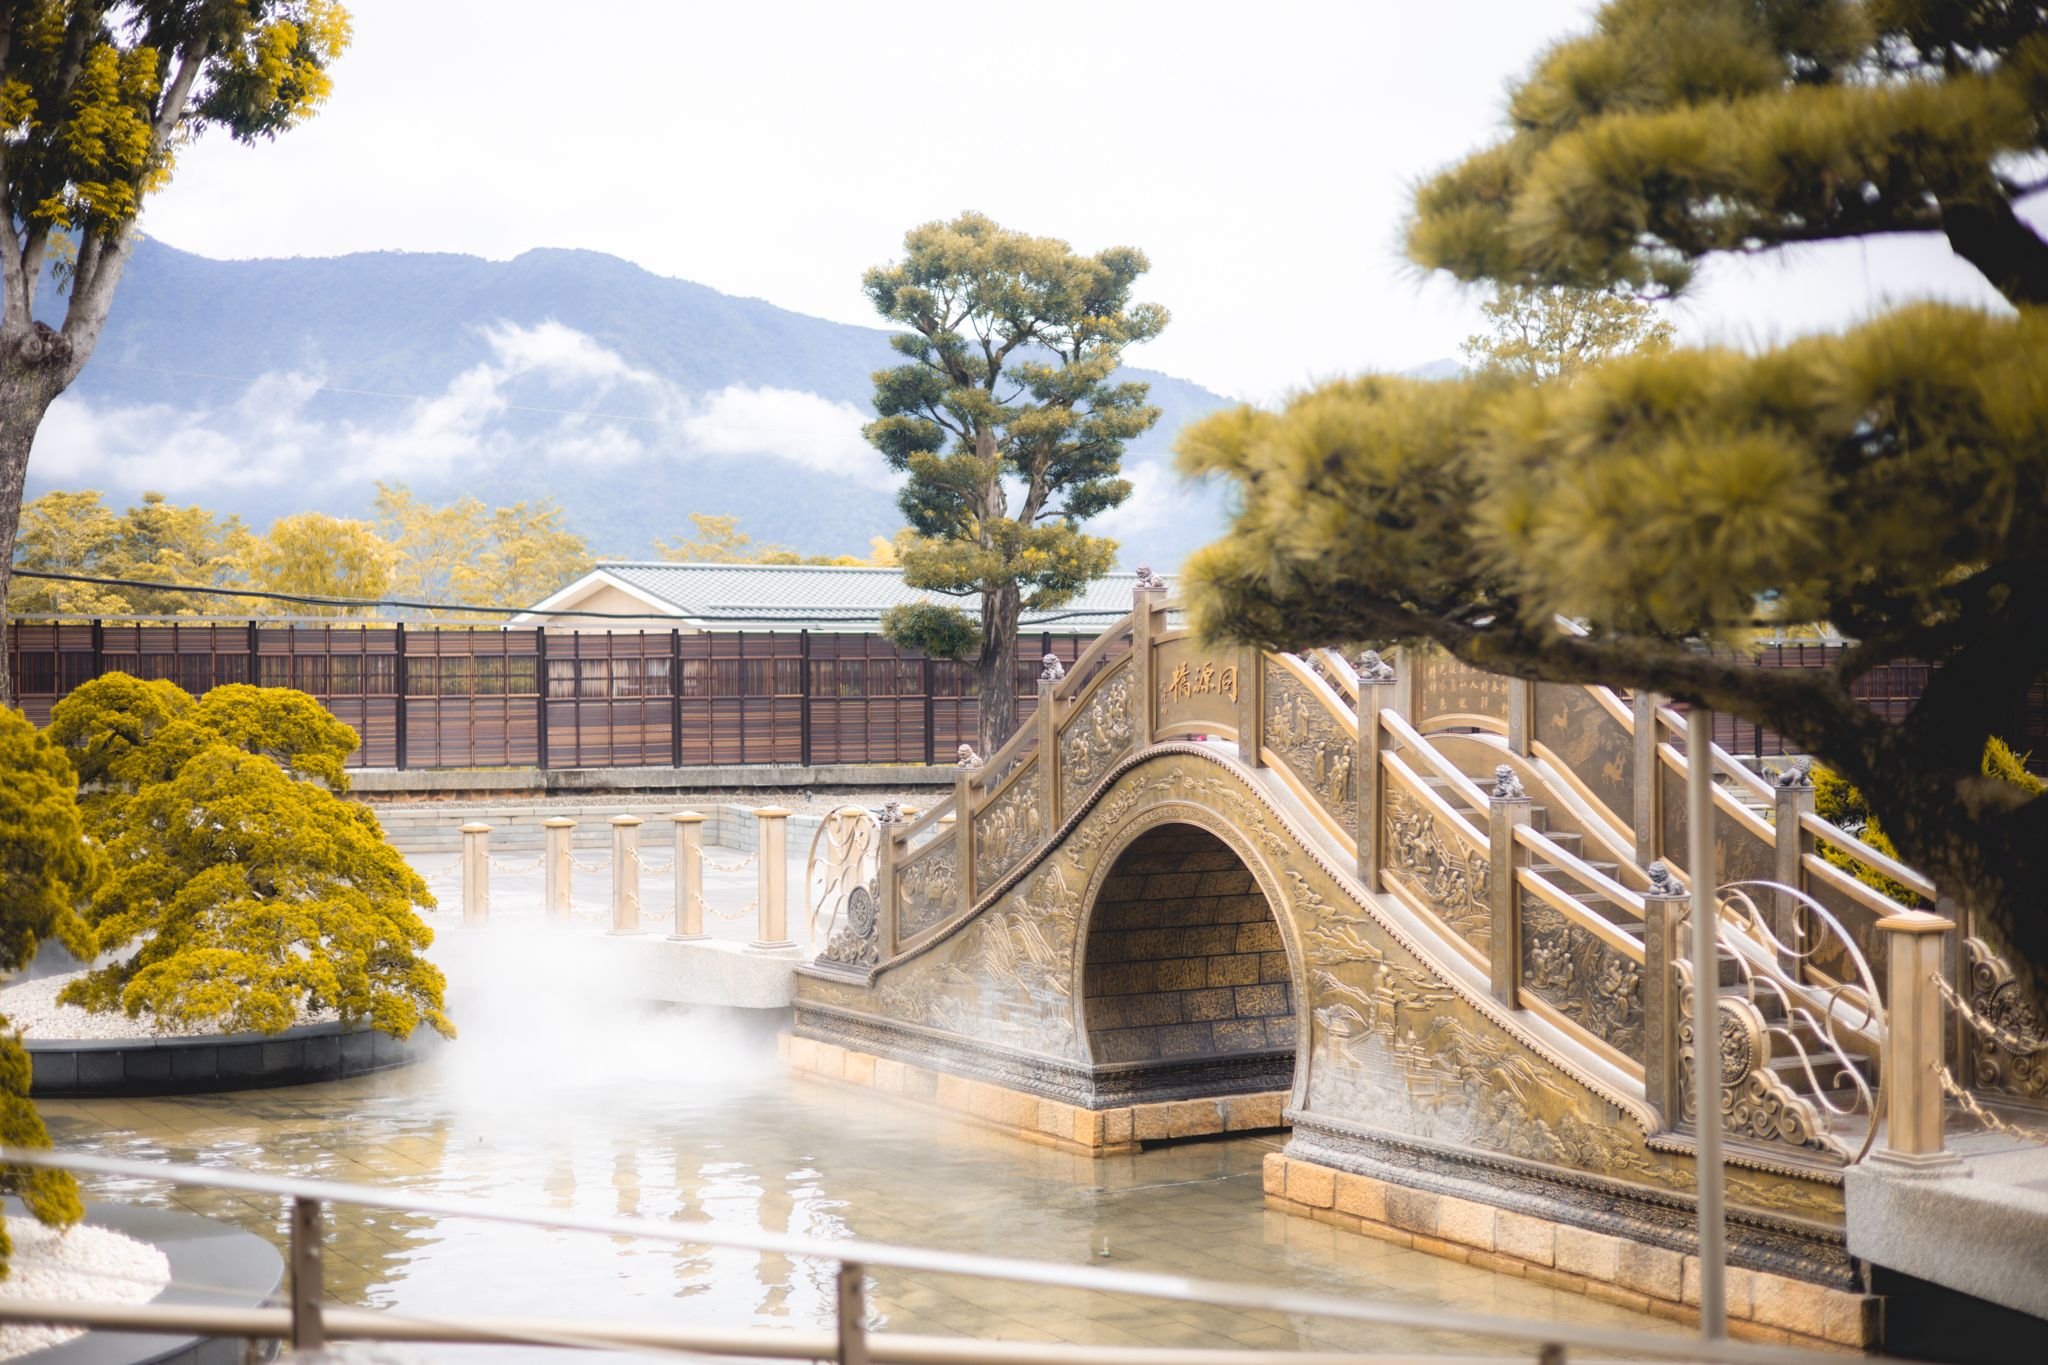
(1408, 912)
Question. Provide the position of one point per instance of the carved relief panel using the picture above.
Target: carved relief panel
(1428, 857)
(1591, 742)
(1009, 829)
(1583, 977)
(925, 889)
(1457, 693)
(1095, 737)
(1316, 746)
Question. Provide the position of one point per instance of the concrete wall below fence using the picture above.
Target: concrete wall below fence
(391, 784)
(77, 1068)
(420, 829)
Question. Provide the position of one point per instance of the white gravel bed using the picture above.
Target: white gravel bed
(32, 1007)
(84, 1263)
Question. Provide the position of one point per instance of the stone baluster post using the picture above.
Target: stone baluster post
(1507, 807)
(1379, 689)
(772, 881)
(625, 874)
(1145, 604)
(556, 852)
(1251, 706)
(1647, 781)
(1521, 715)
(1791, 843)
(1664, 909)
(1048, 721)
(889, 828)
(476, 873)
(689, 830)
(1912, 1060)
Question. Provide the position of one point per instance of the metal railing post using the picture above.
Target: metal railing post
(1644, 780)
(689, 920)
(1914, 1103)
(852, 1315)
(1375, 693)
(555, 857)
(1663, 914)
(625, 874)
(476, 873)
(1706, 1021)
(1790, 843)
(308, 1332)
(772, 880)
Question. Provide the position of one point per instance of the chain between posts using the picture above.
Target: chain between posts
(711, 909)
(741, 866)
(2017, 1044)
(1968, 1104)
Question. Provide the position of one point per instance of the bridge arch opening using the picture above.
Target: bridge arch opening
(1186, 986)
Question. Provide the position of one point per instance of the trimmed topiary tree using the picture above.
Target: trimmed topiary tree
(47, 869)
(250, 890)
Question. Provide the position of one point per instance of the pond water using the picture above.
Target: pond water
(556, 1100)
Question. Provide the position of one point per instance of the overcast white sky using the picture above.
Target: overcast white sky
(1261, 155)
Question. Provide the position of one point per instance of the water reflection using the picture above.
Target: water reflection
(690, 1118)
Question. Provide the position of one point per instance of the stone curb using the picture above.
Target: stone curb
(83, 1068)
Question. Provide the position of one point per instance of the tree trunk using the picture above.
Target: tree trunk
(996, 669)
(28, 383)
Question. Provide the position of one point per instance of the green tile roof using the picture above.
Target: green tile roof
(817, 597)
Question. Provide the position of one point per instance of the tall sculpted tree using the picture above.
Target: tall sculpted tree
(1892, 480)
(95, 98)
(1553, 335)
(1009, 420)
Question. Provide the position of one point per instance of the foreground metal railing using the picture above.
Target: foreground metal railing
(308, 1320)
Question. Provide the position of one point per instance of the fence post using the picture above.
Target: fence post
(851, 1315)
(540, 697)
(1503, 813)
(555, 857)
(803, 696)
(1913, 1040)
(625, 874)
(689, 920)
(1790, 844)
(398, 718)
(675, 698)
(1646, 777)
(1663, 913)
(476, 873)
(771, 858)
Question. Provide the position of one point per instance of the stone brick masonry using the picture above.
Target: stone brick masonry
(1648, 1279)
(1184, 958)
(1097, 1132)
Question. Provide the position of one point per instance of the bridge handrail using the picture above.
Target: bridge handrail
(1083, 669)
(1863, 853)
(984, 782)
(1558, 899)
(1414, 742)
(1670, 718)
(1539, 845)
(310, 1319)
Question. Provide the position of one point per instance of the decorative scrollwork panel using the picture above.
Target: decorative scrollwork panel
(2014, 1060)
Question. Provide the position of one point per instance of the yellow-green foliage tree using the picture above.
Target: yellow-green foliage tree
(1891, 480)
(47, 870)
(1545, 335)
(95, 98)
(249, 889)
(1011, 353)
(153, 541)
(466, 552)
(316, 555)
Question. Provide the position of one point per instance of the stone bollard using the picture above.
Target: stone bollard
(689, 920)
(1914, 1104)
(555, 855)
(476, 873)
(772, 884)
(625, 874)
